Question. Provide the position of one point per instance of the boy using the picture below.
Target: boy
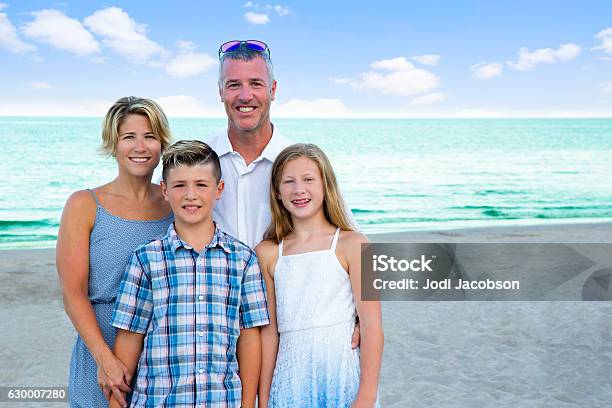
(193, 298)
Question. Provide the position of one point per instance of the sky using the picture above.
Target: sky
(391, 59)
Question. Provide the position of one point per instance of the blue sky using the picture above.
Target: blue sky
(332, 59)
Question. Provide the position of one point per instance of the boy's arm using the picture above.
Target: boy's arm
(248, 352)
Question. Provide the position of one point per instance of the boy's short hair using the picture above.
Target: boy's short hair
(190, 153)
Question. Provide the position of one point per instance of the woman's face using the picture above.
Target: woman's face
(138, 148)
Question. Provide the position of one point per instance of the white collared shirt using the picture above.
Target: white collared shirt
(244, 208)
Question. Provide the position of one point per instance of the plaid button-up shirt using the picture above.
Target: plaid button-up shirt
(191, 307)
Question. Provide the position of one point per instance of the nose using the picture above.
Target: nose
(245, 93)
(140, 144)
(189, 193)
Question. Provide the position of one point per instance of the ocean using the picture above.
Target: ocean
(404, 174)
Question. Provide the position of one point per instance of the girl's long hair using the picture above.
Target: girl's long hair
(333, 204)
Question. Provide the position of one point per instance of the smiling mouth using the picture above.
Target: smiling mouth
(300, 202)
(139, 159)
(191, 207)
(246, 109)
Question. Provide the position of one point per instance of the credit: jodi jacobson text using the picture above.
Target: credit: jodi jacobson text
(445, 284)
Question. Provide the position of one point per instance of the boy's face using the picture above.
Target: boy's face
(192, 192)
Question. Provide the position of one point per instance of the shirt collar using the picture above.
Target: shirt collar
(219, 239)
(275, 145)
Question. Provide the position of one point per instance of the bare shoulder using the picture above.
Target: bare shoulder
(351, 241)
(267, 252)
(266, 249)
(349, 247)
(81, 204)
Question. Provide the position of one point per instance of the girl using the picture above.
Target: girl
(310, 259)
(98, 232)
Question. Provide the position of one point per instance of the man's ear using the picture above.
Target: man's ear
(273, 90)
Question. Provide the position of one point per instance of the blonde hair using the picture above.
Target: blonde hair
(333, 205)
(132, 105)
(190, 153)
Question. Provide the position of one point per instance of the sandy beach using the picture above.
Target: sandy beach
(441, 354)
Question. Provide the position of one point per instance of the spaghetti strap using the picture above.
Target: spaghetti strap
(95, 197)
(335, 240)
(280, 249)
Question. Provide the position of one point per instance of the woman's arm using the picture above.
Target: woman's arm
(267, 254)
(370, 319)
(72, 260)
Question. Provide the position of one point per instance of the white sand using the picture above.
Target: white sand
(437, 354)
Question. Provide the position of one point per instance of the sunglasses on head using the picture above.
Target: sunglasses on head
(254, 45)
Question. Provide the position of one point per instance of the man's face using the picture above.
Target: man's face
(247, 93)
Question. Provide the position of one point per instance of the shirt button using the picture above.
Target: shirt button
(201, 297)
(201, 333)
(201, 371)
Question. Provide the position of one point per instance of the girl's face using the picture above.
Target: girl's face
(138, 149)
(301, 188)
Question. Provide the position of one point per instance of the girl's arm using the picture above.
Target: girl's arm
(267, 254)
(370, 319)
(72, 260)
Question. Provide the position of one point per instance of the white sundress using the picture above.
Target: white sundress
(315, 313)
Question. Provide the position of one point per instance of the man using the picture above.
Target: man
(248, 149)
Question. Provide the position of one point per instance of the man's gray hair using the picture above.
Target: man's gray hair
(244, 53)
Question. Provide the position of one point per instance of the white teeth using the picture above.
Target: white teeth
(302, 201)
(139, 159)
(246, 109)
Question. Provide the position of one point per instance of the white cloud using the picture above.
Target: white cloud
(486, 70)
(606, 87)
(317, 108)
(403, 78)
(123, 35)
(606, 40)
(281, 10)
(399, 77)
(429, 59)
(340, 81)
(249, 4)
(190, 64)
(186, 106)
(40, 85)
(3, 6)
(9, 38)
(429, 99)
(60, 31)
(256, 18)
(527, 61)
(395, 64)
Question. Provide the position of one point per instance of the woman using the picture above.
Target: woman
(99, 230)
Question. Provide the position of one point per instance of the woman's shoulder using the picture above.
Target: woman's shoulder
(81, 201)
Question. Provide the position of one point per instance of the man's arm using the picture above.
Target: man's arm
(128, 346)
(248, 352)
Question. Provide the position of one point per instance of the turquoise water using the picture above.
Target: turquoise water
(395, 174)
